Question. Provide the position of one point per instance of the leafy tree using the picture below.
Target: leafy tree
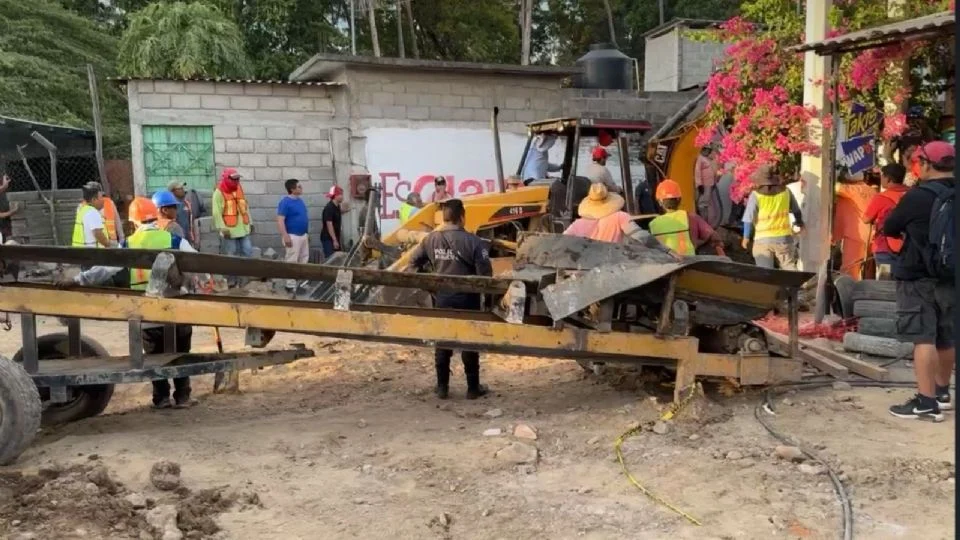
(44, 52)
(182, 40)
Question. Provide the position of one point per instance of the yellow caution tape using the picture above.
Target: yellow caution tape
(667, 415)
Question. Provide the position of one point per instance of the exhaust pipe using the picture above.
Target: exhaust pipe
(496, 150)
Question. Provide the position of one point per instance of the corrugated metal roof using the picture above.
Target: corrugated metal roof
(920, 27)
(10, 121)
(246, 81)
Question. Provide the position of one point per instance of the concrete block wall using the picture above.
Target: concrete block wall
(655, 107)
(661, 63)
(697, 59)
(268, 131)
(388, 98)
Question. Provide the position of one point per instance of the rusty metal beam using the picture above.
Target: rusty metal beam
(205, 263)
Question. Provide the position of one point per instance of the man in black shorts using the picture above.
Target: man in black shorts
(925, 300)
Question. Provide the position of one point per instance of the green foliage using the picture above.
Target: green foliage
(182, 40)
(471, 31)
(44, 51)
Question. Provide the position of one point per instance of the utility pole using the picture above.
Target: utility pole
(662, 11)
(817, 171)
(353, 30)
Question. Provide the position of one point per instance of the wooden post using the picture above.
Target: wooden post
(817, 170)
(97, 128)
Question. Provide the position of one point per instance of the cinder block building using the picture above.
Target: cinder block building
(402, 121)
(674, 61)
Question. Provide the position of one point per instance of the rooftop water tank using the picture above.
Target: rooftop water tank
(606, 68)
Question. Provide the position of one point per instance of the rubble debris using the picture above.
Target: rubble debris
(524, 431)
(518, 453)
(789, 453)
(494, 413)
(492, 432)
(661, 428)
(165, 475)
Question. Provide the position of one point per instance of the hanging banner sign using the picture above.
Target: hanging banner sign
(858, 155)
(862, 121)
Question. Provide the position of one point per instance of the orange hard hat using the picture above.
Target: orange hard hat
(142, 210)
(668, 189)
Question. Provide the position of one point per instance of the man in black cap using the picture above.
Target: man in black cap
(451, 250)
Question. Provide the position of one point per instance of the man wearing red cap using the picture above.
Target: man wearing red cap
(231, 217)
(331, 237)
(926, 289)
(598, 172)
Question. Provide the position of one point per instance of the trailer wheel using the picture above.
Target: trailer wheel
(19, 411)
(89, 400)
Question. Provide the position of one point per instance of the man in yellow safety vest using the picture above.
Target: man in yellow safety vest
(410, 206)
(143, 213)
(89, 229)
(679, 230)
(767, 219)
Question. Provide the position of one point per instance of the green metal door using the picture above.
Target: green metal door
(183, 153)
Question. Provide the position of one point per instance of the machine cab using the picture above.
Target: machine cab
(570, 143)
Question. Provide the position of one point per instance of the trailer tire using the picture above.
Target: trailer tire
(875, 309)
(876, 290)
(91, 400)
(20, 411)
(872, 326)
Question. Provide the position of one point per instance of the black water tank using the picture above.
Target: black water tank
(606, 68)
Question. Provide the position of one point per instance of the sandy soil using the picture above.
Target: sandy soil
(352, 444)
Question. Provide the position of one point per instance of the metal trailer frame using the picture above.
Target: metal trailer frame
(511, 325)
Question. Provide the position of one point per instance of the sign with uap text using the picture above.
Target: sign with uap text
(858, 155)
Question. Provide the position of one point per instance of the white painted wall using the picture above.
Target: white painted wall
(407, 159)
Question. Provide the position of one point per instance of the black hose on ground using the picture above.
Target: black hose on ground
(766, 405)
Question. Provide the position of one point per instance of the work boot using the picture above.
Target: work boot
(442, 391)
(474, 392)
(162, 403)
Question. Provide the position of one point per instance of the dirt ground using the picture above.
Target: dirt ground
(352, 444)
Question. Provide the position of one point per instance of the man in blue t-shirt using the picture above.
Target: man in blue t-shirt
(293, 222)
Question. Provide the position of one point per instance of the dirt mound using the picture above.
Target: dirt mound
(85, 501)
(75, 501)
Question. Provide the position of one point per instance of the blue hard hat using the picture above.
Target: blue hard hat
(164, 198)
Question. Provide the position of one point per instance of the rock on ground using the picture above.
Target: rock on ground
(523, 431)
(789, 453)
(661, 428)
(518, 453)
(492, 432)
(494, 413)
(165, 475)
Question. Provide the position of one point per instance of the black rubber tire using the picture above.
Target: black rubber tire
(872, 326)
(843, 285)
(20, 411)
(880, 291)
(91, 400)
(875, 309)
